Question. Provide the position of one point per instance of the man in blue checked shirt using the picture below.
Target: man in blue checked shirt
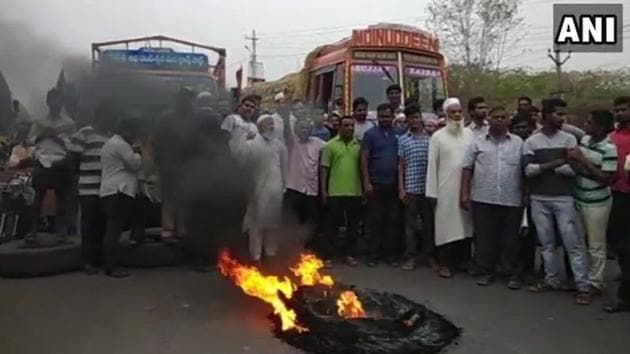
(413, 155)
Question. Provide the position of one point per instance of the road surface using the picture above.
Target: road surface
(177, 311)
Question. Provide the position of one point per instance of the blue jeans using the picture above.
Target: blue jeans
(544, 213)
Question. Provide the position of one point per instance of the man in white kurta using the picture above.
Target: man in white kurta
(266, 158)
(453, 225)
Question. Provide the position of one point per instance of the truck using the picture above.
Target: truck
(364, 64)
(142, 75)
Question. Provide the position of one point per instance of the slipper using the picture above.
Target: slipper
(445, 272)
(541, 287)
(583, 298)
(351, 261)
(409, 265)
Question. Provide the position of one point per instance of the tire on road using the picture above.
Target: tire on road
(18, 261)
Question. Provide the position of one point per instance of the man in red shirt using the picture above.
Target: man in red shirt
(619, 226)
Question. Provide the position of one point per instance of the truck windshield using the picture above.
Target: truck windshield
(370, 82)
(424, 83)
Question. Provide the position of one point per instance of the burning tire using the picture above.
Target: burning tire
(323, 317)
(392, 324)
(17, 260)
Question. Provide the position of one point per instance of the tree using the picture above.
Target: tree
(587, 89)
(476, 33)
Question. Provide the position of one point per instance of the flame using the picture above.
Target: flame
(269, 287)
(349, 306)
(308, 271)
(266, 288)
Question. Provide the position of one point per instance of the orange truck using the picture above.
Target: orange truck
(364, 64)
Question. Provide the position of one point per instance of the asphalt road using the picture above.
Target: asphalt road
(177, 311)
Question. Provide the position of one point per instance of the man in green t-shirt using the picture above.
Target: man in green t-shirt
(596, 160)
(341, 191)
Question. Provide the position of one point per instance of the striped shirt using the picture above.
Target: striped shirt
(603, 155)
(556, 185)
(88, 143)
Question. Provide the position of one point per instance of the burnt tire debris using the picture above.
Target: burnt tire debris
(393, 324)
(19, 260)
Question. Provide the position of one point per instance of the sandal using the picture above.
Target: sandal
(351, 261)
(445, 272)
(409, 265)
(583, 298)
(541, 287)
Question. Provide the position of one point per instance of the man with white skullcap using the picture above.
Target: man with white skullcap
(282, 111)
(266, 160)
(453, 225)
(430, 122)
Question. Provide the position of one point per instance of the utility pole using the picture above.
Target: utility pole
(558, 62)
(254, 39)
(253, 64)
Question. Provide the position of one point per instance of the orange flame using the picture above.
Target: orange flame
(308, 271)
(349, 306)
(266, 288)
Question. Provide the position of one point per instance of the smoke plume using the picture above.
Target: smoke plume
(30, 64)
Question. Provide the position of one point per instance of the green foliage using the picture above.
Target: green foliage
(585, 90)
(476, 33)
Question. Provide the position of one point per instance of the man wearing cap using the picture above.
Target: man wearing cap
(453, 225)
(278, 118)
(430, 123)
(266, 158)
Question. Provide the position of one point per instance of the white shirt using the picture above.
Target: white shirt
(120, 168)
(278, 126)
(303, 176)
(238, 127)
(235, 124)
(51, 150)
(361, 127)
(478, 130)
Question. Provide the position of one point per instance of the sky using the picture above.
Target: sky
(287, 30)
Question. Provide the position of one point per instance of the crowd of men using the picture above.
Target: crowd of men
(412, 188)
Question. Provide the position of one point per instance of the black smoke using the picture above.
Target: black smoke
(31, 63)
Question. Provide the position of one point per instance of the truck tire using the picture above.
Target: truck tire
(19, 261)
